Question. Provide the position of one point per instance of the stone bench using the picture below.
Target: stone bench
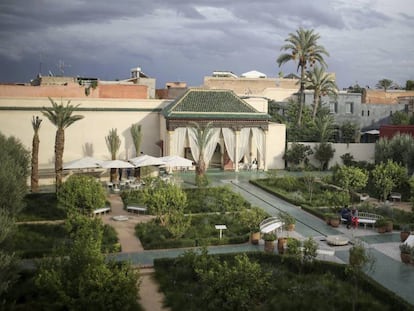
(102, 210)
(136, 209)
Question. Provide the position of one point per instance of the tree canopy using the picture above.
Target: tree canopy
(83, 193)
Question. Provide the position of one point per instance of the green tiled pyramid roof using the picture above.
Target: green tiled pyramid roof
(212, 104)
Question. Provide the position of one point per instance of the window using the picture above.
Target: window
(368, 113)
(333, 107)
(349, 107)
(362, 112)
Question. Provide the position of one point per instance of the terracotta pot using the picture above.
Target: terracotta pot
(405, 258)
(255, 237)
(389, 227)
(404, 235)
(291, 227)
(269, 246)
(334, 222)
(281, 245)
(382, 229)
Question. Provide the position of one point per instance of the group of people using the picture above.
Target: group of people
(351, 217)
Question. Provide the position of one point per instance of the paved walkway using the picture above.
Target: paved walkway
(389, 271)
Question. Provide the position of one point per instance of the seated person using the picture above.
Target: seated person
(354, 218)
(347, 215)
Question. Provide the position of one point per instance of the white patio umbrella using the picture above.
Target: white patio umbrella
(116, 164)
(176, 161)
(146, 160)
(82, 163)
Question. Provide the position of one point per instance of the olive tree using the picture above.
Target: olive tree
(386, 176)
(350, 178)
(164, 199)
(83, 193)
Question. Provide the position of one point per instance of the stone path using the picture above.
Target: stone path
(151, 298)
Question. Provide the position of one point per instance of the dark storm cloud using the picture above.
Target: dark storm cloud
(181, 39)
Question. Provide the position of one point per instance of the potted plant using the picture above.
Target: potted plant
(406, 251)
(389, 225)
(281, 245)
(251, 218)
(381, 225)
(334, 220)
(269, 239)
(405, 232)
(288, 220)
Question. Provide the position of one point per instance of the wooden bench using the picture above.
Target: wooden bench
(366, 219)
(136, 209)
(102, 210)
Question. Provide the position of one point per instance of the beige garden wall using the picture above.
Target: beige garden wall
(275, 146)
(360, 152)
(100, 116)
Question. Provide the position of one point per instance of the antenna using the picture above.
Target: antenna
(61, 66)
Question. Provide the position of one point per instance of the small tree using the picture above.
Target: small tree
(113, 142)
(164, 199)
(351, 178)
(233, 286)
(324, 152)
(297, 154)
(83, 193)
(385, 84)
(349, 132)
(387, 176)
(310, 250)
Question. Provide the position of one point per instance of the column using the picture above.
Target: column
(170, 143)
(265, 132)
(236, 152)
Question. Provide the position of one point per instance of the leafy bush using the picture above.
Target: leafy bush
(214, 199)
(201, 232)
(319, 286)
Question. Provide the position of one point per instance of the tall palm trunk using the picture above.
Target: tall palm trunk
(301, 94)
(316, 99)
(59, 148)
(34, 178)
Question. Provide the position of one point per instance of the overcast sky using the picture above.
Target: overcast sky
(184, 40)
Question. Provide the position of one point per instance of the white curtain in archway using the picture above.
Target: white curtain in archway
(258, 138)
(211, 146)
(178, 137)
(195, 151)
(229, 141)
(243, 146)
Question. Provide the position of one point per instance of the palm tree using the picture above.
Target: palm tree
(304, 49)
(322, 83)
(60, 116)
(136, 137)
(203, 136)
(113, 142)
(34, 178)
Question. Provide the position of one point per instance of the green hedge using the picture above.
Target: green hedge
(178, 280)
